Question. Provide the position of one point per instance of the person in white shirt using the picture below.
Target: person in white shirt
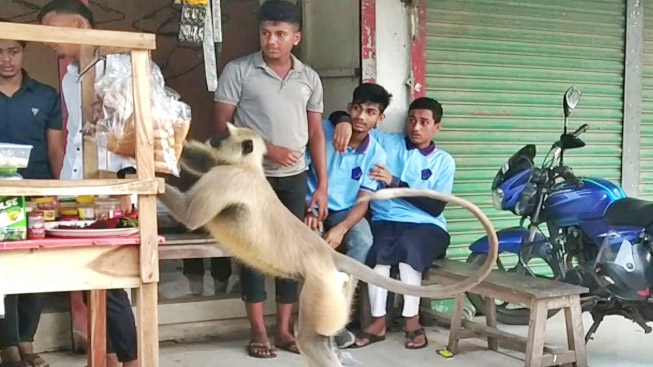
(121, 326)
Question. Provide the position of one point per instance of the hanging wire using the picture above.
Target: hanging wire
(33, 9)
(120, 15)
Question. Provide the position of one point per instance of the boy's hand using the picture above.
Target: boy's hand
(342, 136)
(334, 236)
(313, 223)
(381, 173)
(321, 199)
(284, 156)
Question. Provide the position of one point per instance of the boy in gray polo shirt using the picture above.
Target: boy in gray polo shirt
(276, 95)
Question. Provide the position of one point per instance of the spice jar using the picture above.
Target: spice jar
(86, 207)
(68, 209)
(35, 225)
(106, 208)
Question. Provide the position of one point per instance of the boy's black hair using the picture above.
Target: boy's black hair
(426, 103)
(22, 44)
(280, 11)
(372, 93)
(66, 7)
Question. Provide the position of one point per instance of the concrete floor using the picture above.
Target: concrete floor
(617, 343)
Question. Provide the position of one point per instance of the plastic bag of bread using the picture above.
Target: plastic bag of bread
(115, 120)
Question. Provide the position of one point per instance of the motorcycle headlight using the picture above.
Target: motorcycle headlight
(497, 198)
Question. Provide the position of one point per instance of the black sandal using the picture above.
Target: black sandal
(371, 339)
(412, 335)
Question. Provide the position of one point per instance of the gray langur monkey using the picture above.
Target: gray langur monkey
(234, 202)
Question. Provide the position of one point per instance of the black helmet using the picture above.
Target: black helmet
(622, 268)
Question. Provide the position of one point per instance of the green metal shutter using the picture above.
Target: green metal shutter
(500, 69)
(646, 149)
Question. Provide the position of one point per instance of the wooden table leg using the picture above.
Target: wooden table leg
(148, 326)
(491, 321)
(575, 331)
(456, 323)
(79, 322)
(97, 328)
(536, 328)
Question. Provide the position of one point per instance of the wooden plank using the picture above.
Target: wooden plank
(506, 340)
(175, 252)
(150, 186)
(456, 323)
(558, 359)
(491, 321)
(75, 36)
(536, 328)
(514, 296)
(145, 161)
(148, 326)
(534, 287)
(97, 327)
(575, 332)
(70, 269)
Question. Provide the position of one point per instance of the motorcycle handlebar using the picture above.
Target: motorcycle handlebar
(568, 176)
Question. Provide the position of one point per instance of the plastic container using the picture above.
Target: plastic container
(35, 225)
(106, 208)
(49, 206)
(14, 155)
(86, 207)
(13, 220)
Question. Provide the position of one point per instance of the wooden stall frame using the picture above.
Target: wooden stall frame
(146, 186)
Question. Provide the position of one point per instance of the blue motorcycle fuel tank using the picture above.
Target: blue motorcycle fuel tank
(570, 205)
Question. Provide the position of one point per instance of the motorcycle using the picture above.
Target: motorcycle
(597, 237)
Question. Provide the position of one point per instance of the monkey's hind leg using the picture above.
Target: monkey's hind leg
(316, 348)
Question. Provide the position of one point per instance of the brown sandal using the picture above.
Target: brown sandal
(34, 360)
(290, 346)
(260, 350)
(412, 335)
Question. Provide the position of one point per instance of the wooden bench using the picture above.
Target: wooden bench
(537, 294)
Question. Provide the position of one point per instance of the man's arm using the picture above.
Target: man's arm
(317, 148)
(223, 113)
(55, 143)
(336, 234)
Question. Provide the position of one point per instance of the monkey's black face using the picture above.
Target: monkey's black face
(248, 146)
(218, 139)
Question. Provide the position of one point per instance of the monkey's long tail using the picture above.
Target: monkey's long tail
(359, 271)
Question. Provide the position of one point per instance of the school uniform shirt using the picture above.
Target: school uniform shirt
(428, 168)
(73, 166)
(349, 171)
(25, 118)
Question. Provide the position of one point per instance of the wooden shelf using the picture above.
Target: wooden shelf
(91, 37)
(150, 186)
(52, 242)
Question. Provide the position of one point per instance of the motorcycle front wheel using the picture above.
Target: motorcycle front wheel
(508, 313)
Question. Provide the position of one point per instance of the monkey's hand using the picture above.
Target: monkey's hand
(342, 136)
(335, 236)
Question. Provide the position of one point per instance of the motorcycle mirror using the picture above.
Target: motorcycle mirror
(572, 96)
(580, 130)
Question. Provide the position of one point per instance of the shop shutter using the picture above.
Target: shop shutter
(500, 69)
(646, 141)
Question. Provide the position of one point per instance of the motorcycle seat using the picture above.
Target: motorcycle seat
(630, 212)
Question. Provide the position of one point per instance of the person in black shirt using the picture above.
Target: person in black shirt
(30, 113)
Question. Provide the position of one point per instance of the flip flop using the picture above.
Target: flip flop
(412, 335)
(371, 339)
(257, 350)
(290, 346)
(32, 358)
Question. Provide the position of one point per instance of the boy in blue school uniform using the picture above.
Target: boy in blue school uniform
(350, 178)
(409, 233)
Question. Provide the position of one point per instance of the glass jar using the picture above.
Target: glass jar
(106, 208)
(86, 207)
